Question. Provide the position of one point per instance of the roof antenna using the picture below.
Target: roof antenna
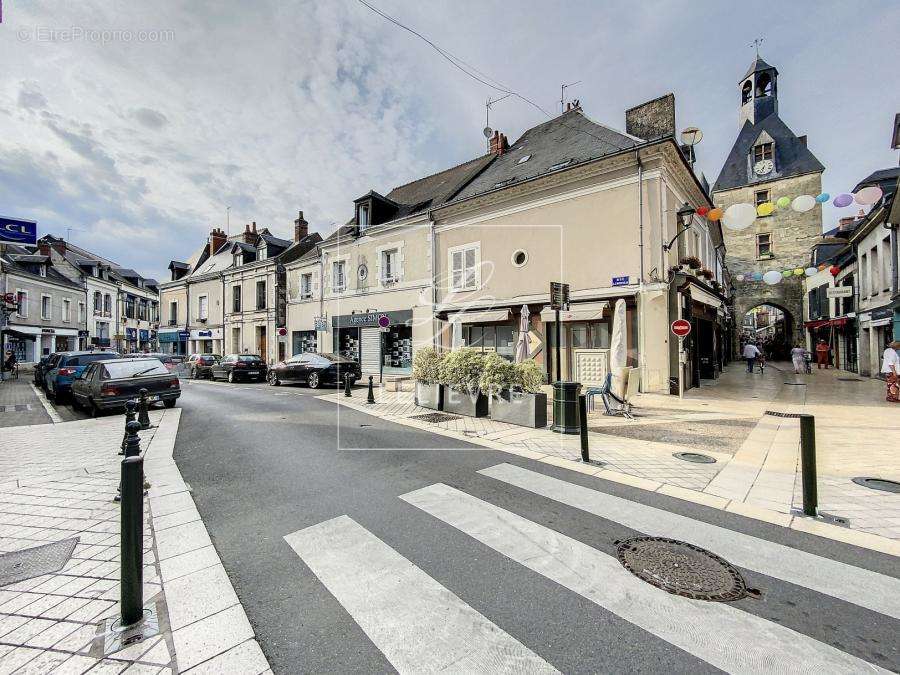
(756, 43)
(487, 131)
(562, 94)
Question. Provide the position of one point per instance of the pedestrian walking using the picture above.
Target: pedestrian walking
(751, 353)
(890, 367)
(822, 351)
(9, 363)
(798, 357)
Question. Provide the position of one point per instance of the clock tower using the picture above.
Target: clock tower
(768, 161)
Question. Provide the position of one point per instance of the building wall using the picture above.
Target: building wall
(256, 328)
(56, 328)
(874, 273)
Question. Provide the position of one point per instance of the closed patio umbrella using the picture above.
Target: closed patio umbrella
(618, 348)
(523, 346)
(456, 333)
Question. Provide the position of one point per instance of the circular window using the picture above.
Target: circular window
(519, 258)
(362, 272)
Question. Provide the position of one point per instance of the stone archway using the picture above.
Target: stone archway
(769, 324)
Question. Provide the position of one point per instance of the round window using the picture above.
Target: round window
(519, 258)
(362, 272)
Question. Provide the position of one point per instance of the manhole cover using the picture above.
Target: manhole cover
(435, 417)
(694, 457)
(682, 569)
(878, 484)
(34, 562)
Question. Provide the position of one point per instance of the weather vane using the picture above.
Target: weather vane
(756, 43)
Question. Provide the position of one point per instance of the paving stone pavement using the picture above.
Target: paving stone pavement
(58, 481)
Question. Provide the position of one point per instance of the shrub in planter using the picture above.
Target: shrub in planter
(426, 372)
(706, 273)
(519, 400)
(692, 261)
(460, 373)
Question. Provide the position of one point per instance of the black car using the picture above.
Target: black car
(239, 367)
(315, 370)
(106, 385)
(39, 369)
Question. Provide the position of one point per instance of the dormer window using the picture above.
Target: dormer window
(363, 218)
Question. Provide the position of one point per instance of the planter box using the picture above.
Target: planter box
(522, 408)
(430, 396)
(463, 403)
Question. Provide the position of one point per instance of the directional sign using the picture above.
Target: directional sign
(15, 231)
(559, 296)
(681, 328)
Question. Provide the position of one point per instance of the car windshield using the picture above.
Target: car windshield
(248, 358)
(121, 369)
(208, 358)
(337, 358)
(84, 359)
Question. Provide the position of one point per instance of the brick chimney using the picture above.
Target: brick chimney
(217, 239)
(248, 235)
(301, 228)
(499, 144)
(43, 248)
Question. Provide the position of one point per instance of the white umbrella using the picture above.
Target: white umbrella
(523, 346)
(618, 348)
(456, 332)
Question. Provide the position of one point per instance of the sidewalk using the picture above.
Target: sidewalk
(57, 482)
(756, 472)
(20, 404)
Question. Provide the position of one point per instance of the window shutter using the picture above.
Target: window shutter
(456, 270)
(471, 268)
(315, 284)
(399, 263)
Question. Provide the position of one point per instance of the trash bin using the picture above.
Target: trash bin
(565, 407)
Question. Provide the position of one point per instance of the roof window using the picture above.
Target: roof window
(560, 165)
(524, 159)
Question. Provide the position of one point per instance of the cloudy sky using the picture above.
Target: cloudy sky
(137, 123)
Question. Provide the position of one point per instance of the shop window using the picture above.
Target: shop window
(46, 307)
(306, 286)
(304, 342)
(463, 266)
(764, 245)
(500, 338)
(396, 349)
(261, 294)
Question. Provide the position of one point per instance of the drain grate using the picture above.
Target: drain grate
(695, 457)
(849, 379)
(33, 562)
(797, 384)
(882, 484)
(19, 407)
(681, 568)
(435, 417)
(775, 413)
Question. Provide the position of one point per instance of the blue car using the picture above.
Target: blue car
(67, 367)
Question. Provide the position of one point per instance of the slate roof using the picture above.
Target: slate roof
(565, 140)
(886, 179)
(301, 249)
(178, 265)
(272, 240)
(20, 266)
(792, 157)
(758, 65)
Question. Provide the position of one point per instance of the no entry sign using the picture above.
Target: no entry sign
(681, 328)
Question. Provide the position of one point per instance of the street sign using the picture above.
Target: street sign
(681, 328)
(559, 296)
(620, 281)
(384, 321)
(839, 292)
(184, 334)
(15, 231)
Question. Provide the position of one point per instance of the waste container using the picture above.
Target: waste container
(565, 407)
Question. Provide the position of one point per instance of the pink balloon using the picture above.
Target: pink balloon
(843, 200)
(868, 195)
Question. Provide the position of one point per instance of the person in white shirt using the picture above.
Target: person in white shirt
(890, 367)
(798, 357)
(751, 353)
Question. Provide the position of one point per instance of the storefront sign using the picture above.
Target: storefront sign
(559, 296)
(320, 323)
(839, 292)
(48, 331)
(681, 328)
(620, 281)
(371, 319)
(184, 334)
(206, 334)
(17, 231)
(83, 333)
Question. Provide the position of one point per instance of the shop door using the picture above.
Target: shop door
(370, 355)
(706, 348)
(261, 343)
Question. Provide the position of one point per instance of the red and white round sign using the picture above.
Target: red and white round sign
(681, 328)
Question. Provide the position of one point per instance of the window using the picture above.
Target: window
(46, 307)
(764, 245)
(107, 305)
(363, 216)
(98, 301)
(886, 264)
(306, 286)
(463, 266)
(762, 196)
(22, 300)
(261, 294)
(524, 159)
(876, 271)
(761, 152)
(746, 92)
(236, 298)
(389, 261)
(82, 312)
(173, 312)
(129, 307)
(764, 85)
(203, 307)
(519, 258)
(67, 311)
(864, 276)
(338, 277)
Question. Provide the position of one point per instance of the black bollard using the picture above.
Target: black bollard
(132, 440)
(130, 407)
(582, 414)
(347, 385)
(371, 397)
(132, 541)
(144, 413)
(808, 464)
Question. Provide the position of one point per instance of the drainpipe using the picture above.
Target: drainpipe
(322, 255)
(434, 289)
(642, 359)
(895, 283)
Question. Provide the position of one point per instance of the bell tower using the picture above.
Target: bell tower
(759, 92)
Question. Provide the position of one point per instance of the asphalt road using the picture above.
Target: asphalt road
(443, 578)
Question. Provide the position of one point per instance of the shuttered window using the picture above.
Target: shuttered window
(464, 263)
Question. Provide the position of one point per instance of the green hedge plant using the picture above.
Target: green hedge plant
(461, 369)
(498, 374)
(529, 376)
(427, 365)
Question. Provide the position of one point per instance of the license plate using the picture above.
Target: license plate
(253, 372)
(152, 398)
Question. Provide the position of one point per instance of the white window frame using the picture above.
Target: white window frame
(82, 312)
(67, 310)
(307, 292)
(203, 311)
(364, 216)
(462, 249)
(49, 315)
(23, 305)
(335, 287)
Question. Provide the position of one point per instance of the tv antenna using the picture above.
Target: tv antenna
(756, 43)
(69, 231)
(562, 94)
(487, 131)
(227, 220)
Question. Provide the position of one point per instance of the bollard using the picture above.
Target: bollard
(582, 414)
(132, 440)
(144, 412)
(132, 540)
(371, 397)
(130, 407)
(347, 385)
(808, 463)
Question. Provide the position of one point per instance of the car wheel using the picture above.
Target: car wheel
(231, 376)
(273, 379)
(169, 403)
(313, 381)
(75, 404)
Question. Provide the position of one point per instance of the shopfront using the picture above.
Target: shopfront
(206, 341)
(304, 342)
(585, 336)
(173, 341)
(876, 333)
(381, 342)
(19, 343)
(30, 343)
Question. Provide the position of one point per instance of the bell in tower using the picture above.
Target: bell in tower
(759, 92)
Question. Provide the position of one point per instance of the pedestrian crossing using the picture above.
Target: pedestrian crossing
(421, 626)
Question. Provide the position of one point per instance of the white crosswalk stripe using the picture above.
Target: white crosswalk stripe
(420, 626)
(718, 633)
(830, 577)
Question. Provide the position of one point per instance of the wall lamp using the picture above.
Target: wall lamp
(683, 214)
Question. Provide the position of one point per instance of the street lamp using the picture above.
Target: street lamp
(683, 214)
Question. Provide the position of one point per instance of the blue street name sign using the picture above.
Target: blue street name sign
(620, 281)
(15, 231)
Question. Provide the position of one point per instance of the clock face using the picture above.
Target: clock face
(763, 166)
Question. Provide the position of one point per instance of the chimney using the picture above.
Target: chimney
(499, 144)
(248, 235)
(802, 140)
(653, 119)
(301, 228)
(217, 239)
(43, 248)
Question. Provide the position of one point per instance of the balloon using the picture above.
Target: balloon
(822, 266)
(714, 214)
(803, 203)
(757, 276)
(868, 195)
(811, 271)
(787, 273)
(739, 216)
(740, 277)
(765, 208)
(798, 272)
(702, 211)
(843, 200)
(823, 197)
(772, 277)
(835, 270)
(783, 202)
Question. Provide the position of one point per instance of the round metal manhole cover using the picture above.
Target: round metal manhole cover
(695, 457)
(882, 484)
(682, 569)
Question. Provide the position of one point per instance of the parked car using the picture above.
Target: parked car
(59, 377)
(315, 370)
(168, 360)
(107, 385)
(239, 367)
(39, 368)
(200, 365)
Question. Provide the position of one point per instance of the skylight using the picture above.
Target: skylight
(560, 165)
(524, 159)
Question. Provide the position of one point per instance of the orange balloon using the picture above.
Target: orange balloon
(715, 214)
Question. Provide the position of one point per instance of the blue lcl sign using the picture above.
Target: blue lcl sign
(620, 281)
(15, 231)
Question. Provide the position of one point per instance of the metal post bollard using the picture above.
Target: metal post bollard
(347, 385)
(144, 412)
(132, 440)
(132, 539)
(808, 464)
(130, 407)
(582, 415)
(371, 396)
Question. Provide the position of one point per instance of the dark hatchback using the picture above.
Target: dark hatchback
(40, 367)
(239, 367)
(315, 370)
(106, 385)
(201, 365)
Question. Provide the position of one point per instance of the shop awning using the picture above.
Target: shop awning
(488, 316)
(11, 332)
(585, 311)
(704, 297)
(826, 322)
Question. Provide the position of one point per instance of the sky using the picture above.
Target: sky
(131, 126)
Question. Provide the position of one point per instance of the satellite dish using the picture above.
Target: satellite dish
(691, 136)
(487, 131)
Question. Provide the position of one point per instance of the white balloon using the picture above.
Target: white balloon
(803, 203)
(772, 277)
(739, 216)
(811, 271)
(740, 277)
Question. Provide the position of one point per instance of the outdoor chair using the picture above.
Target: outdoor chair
(621, 406)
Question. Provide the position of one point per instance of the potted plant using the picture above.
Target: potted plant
(706, 273)
(426, 372)
(692, 261)
(514, 391)
(460, 374)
